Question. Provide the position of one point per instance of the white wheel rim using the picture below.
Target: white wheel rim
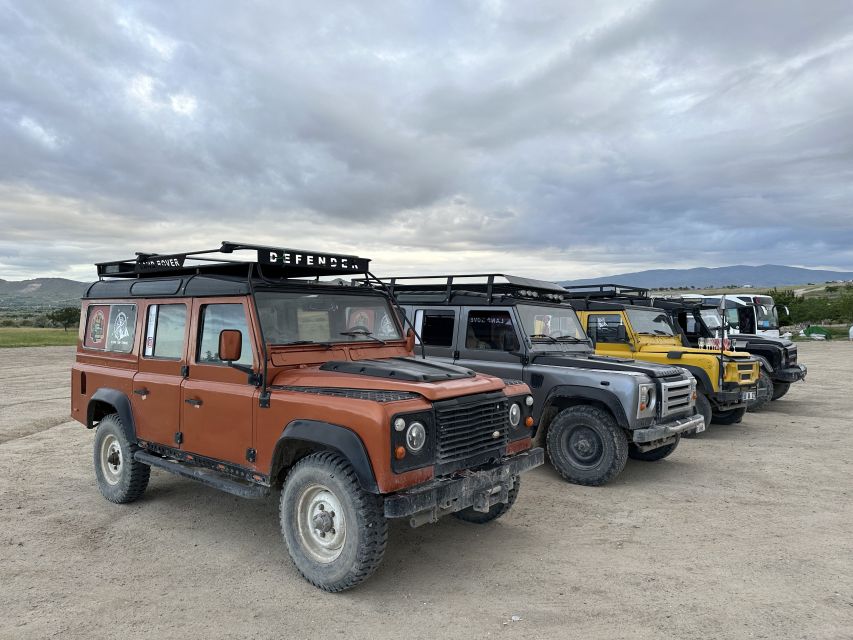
(321, 524)
(111, 459)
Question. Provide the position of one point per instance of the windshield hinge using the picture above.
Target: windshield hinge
(185, 371)
(264, 399)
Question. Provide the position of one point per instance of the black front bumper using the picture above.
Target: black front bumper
(790, 374)
(733, 397)
(472, 488)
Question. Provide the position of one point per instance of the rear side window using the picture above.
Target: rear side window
(436, 327)
(164, 336)
(110, 327)
(215, 318)
(606, 328)
(490, 330)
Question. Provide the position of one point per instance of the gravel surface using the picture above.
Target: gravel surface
(745, 532)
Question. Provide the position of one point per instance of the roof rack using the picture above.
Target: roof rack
(608, 291)
(490, 284)
(275, 261)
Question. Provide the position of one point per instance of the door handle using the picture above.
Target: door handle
(141, 392)
(194, 402)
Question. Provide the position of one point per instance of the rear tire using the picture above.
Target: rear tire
(335, 531)
(121, 479)
(764, 393)
(780, 389)
(732, 416)
(586, 446)
(655, 454)
(478, 517)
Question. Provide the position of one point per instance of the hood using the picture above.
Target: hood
(747, 339)
(609, 363)
(432, 380)
(692, 351)
(406, 369)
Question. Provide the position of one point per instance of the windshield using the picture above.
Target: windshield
(308, 317)
(650, 322)
(711, 318)
(765, 313)
(547, 325)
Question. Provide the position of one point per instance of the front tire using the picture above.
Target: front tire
(496, 511)
(764, 392)
(703, 407)
(586, 446)
(655, 454)
(732, 416)
(121, 479)
(335, 532)
(780, 389)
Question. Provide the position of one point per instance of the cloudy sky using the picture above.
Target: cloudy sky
(556, 139)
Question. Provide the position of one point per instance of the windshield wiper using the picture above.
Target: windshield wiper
(571, 339)
(363, 332)
(542, 336)
(297, 343)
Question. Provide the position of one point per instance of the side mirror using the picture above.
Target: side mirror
(785, 307)
(592, 334)
(621, 333)
(410, 341)
(230, 345)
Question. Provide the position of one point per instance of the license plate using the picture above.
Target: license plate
(747, 395)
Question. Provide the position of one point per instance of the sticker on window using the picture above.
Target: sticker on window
(122, 327)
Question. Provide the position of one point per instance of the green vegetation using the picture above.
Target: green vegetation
(35, 337)
(831, 305)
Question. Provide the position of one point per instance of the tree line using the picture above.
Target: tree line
(834, 307)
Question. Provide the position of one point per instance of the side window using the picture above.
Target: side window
(490, 330)
(164, 335)
(606, 328)
(215, 318)
(110, 327)
(437, 329)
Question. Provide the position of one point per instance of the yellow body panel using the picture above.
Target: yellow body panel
(658, 349)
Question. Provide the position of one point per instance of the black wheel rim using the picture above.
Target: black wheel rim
(583, 446)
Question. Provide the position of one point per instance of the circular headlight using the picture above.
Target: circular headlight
(415, 437)
(399, 424)
(529, 401)
(514, 415)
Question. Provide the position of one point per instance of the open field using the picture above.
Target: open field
(745, 532)
(34, 337)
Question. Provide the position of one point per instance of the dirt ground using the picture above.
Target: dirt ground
(745, 532)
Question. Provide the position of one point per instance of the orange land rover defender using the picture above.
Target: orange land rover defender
(253, 374)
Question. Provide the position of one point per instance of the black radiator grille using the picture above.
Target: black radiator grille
(471, 430)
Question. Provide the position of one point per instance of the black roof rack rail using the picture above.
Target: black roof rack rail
(275, 261)
(605, 291)
(490, 284)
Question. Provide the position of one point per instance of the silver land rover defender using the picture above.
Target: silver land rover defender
(592, 412)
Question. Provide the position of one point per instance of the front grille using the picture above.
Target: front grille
(467, 429)
(676, 397)
(745, 367)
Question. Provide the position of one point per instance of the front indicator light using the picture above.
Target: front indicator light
(400, 453)
(528, 422)
(529, 401)
(399, 424)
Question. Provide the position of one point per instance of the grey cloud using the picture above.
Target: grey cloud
(599, 134)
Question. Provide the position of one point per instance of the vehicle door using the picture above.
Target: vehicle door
(609, 334)
(218, 400)
(489, 340)
(436, 327)
(156, 396)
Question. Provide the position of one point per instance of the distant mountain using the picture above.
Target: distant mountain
(763, 276)
(41, 292)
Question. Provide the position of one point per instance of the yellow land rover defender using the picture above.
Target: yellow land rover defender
(726, 380)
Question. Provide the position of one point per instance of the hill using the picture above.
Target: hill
(763, 276)
(41, 293)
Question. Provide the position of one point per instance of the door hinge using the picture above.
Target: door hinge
(264, 399)
(456, 355)
(251, 454)
(179, 437)
(185, 371)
